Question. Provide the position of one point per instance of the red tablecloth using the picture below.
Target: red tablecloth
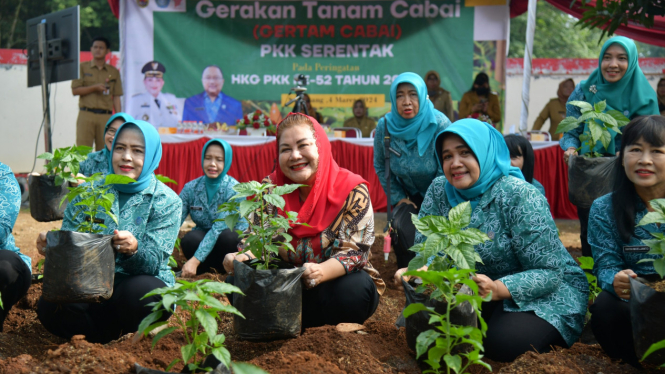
(182, 163)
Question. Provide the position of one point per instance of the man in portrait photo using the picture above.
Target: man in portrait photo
(212, 105)
(154, 106)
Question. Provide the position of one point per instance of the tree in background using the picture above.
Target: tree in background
(96, 19)
(557, 36)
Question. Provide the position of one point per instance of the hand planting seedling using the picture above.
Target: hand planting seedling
(449, 240)
(446, 337)
(64, 163)
(200, 330)
(657, 245)
(598, 122)
(267, 233)
(95, 200)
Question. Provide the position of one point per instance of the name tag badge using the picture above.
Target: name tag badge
(395, 152)
(636, 249)
(196, 208)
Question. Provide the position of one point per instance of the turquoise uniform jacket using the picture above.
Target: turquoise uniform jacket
(538, 186)
(524, 253)
(195, 203)
(152, 217)
(10, 204)
(409, 173)
(610, 253)
(95, 163)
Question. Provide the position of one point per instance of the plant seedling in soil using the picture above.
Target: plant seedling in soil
(586, 263)
(446, 336)
(195, 298)
(449, 240)
(268, 231)
(654, 347)
(95, 199)
(598, 122)
(657, 245)
(64, 162)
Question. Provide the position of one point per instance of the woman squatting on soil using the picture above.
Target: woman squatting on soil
(539, 293)
(621, 83)
(411, 125)
(148, 222)
(617, 241)
(98, 162)
(15, 267)
(340, 283)
(207, 244)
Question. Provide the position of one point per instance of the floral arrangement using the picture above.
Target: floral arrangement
(256, 120)
(482, 117)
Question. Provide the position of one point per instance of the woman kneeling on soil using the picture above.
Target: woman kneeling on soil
(616, 241)
(15, 267)
(98, 162)
(148, 224)
(521, 157)
(207, 244)
(539, 293)
(341, 285)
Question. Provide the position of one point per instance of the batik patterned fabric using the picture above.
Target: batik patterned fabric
(409, 173)
(10, 204)
(538, 186)
(95, 163)
(572, 137)
(348, 239)
(195, 203)
(524, 253)
(610, 253)
(151, 215)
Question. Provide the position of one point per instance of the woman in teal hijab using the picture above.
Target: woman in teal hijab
(97, 162)
(620, 81)
(207, 244)
(143, 239)
(539, 293)
(411, 125)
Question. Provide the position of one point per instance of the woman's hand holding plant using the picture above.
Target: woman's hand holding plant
(569, 152)
(189, 268)
(316, 274)
(41, 243)
(124, 242)
(486, 285)
(397, 278)
(228, 260)
(622, 283)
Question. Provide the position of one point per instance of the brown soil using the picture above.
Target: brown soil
(26, 347)
(658, 286)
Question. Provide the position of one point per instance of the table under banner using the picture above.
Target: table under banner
(254, 157)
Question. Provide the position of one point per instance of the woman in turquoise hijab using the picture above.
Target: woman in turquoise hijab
(98, 162)
(411, 125)
(539, 293)
(207, 244)
(143, 238)
(620, 81)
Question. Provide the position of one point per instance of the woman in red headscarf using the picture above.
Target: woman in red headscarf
(340, 283)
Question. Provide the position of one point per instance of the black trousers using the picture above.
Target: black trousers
(351, 298)
(404, 233)
(610, 323)
(583, 213)
(510, 334)
(227, 242)
(15, 280)
(106, 321)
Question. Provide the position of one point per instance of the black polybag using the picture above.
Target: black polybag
(45, 198)
(79, 267)
(589, 179)
(647, 312)
(272, 304)
(462, 315)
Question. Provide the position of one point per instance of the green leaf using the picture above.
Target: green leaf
(653, 348)
(245, 368)
(424, 340)
(417, 262)
(596, 131)
(567, 124)
(286, 189)
(453, 362)
(586, 262)
(172, 364)
(231, 220)
(605, 138)
(188, 351)
(413, 309)
(659, 266)
(117, 179)
(149, 320)
(583, 105)
(58, 180)
(46, 156)
(600, 106)
(223, 355)
(608, 120)
(220, 288)
(162, 334)
(247, 206)
(275, 200)
(421, 225)
(658, 205)
(165, 179)
(460, 215)
(652, 217)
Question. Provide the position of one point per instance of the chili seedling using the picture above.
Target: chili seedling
(64, 163)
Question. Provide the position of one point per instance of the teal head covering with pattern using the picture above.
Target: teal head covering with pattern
(152, 153)
(212, 184)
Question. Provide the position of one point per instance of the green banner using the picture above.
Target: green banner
(344, 47)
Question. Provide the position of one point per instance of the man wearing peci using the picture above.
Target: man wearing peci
(154, 106)
(212, 105)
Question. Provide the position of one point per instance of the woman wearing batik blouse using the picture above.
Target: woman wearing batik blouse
(98, 162)
(539, 293)
(340, 283)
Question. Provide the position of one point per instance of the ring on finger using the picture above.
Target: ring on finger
(117, 247)
(625, 291)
